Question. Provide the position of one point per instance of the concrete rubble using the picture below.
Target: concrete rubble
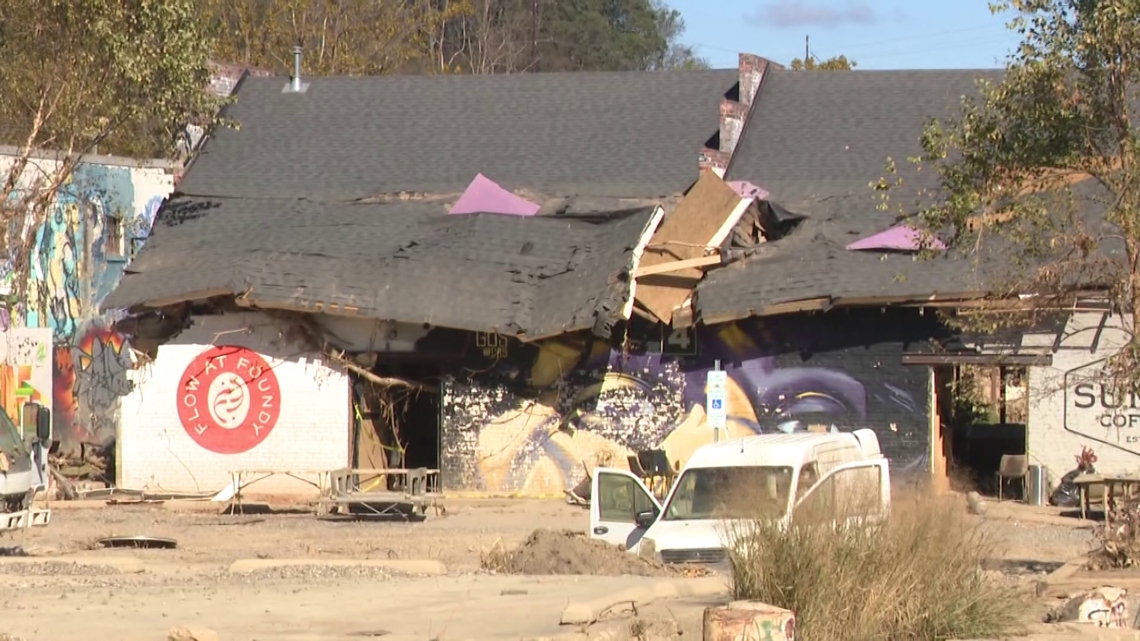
(1104, 607)
(748, 621)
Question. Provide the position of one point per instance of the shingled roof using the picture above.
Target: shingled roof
(815, 142)
(407, 262)
(822, 133)
(630, 134)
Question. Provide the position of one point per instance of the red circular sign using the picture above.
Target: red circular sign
(229, 399)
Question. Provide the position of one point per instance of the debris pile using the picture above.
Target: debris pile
(548, 552)
(1118, 540)
(1104, 607)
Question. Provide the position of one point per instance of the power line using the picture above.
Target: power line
(922, 36)
(879, 43)
(942, 47)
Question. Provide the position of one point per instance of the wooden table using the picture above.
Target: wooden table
(1117, 488)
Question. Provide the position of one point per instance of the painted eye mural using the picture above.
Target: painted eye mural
(609, 406)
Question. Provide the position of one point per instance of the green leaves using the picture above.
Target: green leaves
(125, 75)
(1032, 168)
(120, 77)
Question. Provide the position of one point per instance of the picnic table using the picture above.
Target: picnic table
(1117, 488)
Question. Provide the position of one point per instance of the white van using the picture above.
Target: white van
(737, 481)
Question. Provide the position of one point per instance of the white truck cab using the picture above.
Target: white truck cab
(770, 475)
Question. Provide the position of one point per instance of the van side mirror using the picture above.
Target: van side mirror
(645, 519)
(43, 424)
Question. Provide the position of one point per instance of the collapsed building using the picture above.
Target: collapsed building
(514, 279)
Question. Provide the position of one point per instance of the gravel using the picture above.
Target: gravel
(315, 573)
(57, 568)
(1031, 536)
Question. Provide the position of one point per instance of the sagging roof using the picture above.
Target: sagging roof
(408, 262)
(816, 142)
(813, 264)
(617, 134)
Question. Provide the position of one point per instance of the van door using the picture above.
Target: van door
(853, 491)
(621, 507)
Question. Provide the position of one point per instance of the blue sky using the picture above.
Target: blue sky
(876, 34)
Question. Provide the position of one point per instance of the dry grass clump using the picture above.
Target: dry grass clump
(916, 574)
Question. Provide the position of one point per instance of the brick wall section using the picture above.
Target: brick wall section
(752, 69)
(734, 113)
(732, 117)
(1066, 411)
(713, 160)
(311, 432)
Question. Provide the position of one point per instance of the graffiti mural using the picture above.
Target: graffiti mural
(100, 217)
(90, 378)
(25, 370)
(526, 430)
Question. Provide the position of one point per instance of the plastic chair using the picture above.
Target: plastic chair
(1011, 467)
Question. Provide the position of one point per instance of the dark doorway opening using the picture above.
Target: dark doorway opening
(398, 426)
(987, 419)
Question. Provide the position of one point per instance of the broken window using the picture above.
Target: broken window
(116, 238)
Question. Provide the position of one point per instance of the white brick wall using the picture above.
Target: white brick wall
(311, 431)
(1065, 412)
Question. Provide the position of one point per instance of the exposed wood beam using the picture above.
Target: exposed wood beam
(188, 296)
(1043, 360)
(1099, 331)
(678, 265)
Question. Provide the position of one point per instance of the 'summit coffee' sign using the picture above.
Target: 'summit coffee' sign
(1099, 400)
(1092, 410)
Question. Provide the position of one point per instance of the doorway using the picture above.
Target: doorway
(988, 410)
(397, 426)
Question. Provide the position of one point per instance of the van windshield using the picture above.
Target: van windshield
(743, 492)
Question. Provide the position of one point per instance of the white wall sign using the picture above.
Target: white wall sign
(716, 387)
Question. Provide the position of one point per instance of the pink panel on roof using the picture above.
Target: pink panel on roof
(899, 237)
(485, 195)
(748, 190)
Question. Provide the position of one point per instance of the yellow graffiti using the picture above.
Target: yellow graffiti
(16, 390)
(62, 263)
(555, 359)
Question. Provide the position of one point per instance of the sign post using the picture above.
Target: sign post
(716, 391)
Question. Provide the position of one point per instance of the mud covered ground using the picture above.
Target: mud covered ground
(57, 600)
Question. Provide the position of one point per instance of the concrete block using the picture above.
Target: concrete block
(749, 621)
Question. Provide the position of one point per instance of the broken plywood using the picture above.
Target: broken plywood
(699, 220)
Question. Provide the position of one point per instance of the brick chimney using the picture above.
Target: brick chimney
(735, 108)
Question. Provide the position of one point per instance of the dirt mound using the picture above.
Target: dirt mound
(569, 552)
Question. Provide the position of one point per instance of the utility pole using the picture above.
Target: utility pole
(807, 50)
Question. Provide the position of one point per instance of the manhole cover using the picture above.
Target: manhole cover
(138, 542)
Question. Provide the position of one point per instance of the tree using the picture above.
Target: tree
(366, 37)
(346, 37)
(504, 36)
(677, 56)
(837, 63)
(1043, 168)
(117, 76)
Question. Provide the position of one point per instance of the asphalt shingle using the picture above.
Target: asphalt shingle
(816, 133)
(602, 134)
(407, 262)
(816, 141)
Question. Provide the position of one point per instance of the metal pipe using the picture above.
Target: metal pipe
(297, 68)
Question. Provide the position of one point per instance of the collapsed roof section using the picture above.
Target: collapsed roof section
(526, 276)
